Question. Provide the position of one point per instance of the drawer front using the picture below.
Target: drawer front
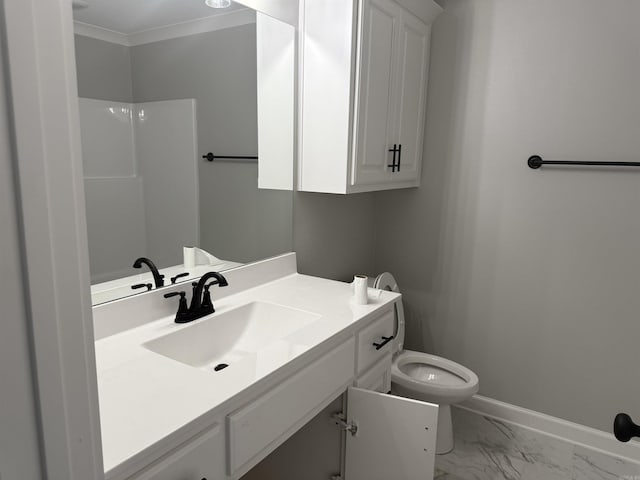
(374, 333)
(253, 428)
(378, 377)
(202, 458)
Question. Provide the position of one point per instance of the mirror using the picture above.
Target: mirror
(161, 85)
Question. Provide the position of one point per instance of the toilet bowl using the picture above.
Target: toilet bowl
(427, 377)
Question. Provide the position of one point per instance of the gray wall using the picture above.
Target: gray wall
(19, 452)
(530, 278)
(334, 234)
(218, 69)
(104, 70)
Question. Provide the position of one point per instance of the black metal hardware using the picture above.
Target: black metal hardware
(201, 304)
(394, 164)
(211, 157)
(182, 315)
(535, 162)
(399, 155)
(624, 429)
(385, 340)
(207, 304)
(142, 285)
(157, 278)
(180, 275)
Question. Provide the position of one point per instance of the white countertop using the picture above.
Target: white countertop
(147, 400)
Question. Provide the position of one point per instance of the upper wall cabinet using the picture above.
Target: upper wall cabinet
(364, 70)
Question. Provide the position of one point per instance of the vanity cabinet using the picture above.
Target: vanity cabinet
(384, 436)
(364, 67)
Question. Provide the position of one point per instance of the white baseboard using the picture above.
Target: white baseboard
(555, 427)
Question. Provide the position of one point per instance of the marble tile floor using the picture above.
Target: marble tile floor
(489, 449)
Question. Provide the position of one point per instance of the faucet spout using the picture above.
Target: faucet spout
(157, 278)
(196, 300)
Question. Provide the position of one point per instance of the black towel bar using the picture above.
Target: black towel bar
(535, 162)
(211, 157)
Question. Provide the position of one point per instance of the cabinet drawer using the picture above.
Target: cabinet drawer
(378, 377)
(253, 428)
(374, 333)
(202, 458)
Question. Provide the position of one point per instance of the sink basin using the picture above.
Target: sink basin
(226, 337)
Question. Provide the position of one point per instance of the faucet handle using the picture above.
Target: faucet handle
(182, 315)
(142, 285)
(180, 275)
(207, 304)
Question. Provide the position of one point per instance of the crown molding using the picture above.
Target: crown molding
(235, 18)
(99, 33)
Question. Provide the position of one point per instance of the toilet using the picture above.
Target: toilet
(426, 377)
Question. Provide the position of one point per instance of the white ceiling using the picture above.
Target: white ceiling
(132, 16)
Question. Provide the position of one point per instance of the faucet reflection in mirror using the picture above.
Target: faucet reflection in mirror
(157, 278)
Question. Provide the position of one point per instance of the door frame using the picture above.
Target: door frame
(39, 63)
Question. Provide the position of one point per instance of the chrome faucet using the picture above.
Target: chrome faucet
(157, 278)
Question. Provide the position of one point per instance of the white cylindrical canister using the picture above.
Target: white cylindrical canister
(360, 286)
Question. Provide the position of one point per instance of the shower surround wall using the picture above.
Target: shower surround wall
(141, 183)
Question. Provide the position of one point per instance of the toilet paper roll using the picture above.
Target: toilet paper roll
(360, 286)
(189, 257)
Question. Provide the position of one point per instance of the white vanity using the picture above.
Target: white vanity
(170, 410)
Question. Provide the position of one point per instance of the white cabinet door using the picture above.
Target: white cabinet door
(378, 31)
(411, 94)
(395, 437)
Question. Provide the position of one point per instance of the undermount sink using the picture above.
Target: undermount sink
(226, 337)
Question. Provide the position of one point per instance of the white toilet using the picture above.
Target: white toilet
(427, 377)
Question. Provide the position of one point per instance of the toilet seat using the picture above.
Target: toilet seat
(445, 381)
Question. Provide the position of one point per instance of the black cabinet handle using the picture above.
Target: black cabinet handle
(624, 429)
(397, 148)
(393, 164)
(384, 341)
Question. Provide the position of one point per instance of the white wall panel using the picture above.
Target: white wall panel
(107, 138)
(168, 161)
